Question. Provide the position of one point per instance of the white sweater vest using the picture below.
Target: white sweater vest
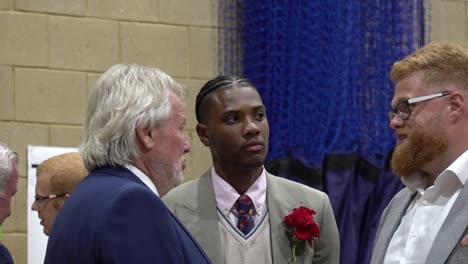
(254, 248)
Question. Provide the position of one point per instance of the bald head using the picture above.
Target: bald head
(64, 171)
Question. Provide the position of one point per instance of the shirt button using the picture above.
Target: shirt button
(414, 234)
(425, 202)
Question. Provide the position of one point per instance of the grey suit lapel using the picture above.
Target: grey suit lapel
(200, 217)
(452, 230)
(392, 222)
(279, 205)
(209, 227)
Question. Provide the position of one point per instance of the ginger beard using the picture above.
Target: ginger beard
(421, 147)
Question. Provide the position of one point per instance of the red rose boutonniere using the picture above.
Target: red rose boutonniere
(301, 228)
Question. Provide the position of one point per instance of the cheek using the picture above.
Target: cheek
(266, 130)
(229, 144)
(225, 141)
(49, 214)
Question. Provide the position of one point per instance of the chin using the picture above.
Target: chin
(252, 164)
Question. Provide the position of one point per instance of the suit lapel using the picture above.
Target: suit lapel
(189, 235)
(392, 222)
(452, 230)
(209, 226)
(279, 205)
(199, 215)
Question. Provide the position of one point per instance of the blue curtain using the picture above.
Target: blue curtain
(322, 69)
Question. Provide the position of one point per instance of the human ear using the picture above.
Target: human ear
(145, 137)
(456, 105)
(203, 134)
(456, 101)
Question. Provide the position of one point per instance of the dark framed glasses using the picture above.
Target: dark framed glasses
(403, 110)
(43, 198)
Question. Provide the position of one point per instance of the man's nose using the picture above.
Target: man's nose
(396, 122)
(187, 146)
(251, 127)
(34, 206)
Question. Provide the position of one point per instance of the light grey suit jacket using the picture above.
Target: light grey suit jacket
(446, 248)
(194, 205)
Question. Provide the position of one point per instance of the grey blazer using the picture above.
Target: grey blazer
(446, 248)
(194, 205)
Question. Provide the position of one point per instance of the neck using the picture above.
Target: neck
(239, 178)
(435, 167)
(142, 166)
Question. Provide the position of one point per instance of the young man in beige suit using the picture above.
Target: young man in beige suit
(233, 124)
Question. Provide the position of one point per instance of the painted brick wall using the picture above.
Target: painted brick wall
(52, 52)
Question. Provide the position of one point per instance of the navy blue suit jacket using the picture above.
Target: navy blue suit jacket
(5, 257)
(113, 217)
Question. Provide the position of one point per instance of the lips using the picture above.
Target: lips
(253, 146)
(401, 137)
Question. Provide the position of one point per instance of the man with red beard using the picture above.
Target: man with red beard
(236, 210)
(427, 222)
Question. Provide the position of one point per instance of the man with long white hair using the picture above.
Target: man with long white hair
(133, 146)
(8, 182)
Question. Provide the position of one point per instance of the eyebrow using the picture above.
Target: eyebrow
(255, 108)
(227, 112)
(392, 104)
(260, 107)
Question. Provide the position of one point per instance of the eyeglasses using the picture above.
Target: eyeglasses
(403, 110)
(43, 198)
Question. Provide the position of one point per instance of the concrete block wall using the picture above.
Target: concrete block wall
(52, 52)
(449, 21)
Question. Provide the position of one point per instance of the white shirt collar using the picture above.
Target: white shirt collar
(424, 217)
(457, 170)
(143, 177)
(226, 196)
(460, 168)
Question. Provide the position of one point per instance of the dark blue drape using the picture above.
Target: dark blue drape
(322, 67)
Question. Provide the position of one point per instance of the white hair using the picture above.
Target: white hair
(7, 157)
(125, 97)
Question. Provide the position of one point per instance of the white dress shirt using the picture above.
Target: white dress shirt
(145, 179)
(226, 197)
(424, 217)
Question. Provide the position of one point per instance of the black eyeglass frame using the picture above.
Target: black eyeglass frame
(43, 198)
(406, 112)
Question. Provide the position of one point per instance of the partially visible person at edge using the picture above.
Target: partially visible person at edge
(56, 178)
(133, 146)
(8, 182)
(232, 122)
(427, 221)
